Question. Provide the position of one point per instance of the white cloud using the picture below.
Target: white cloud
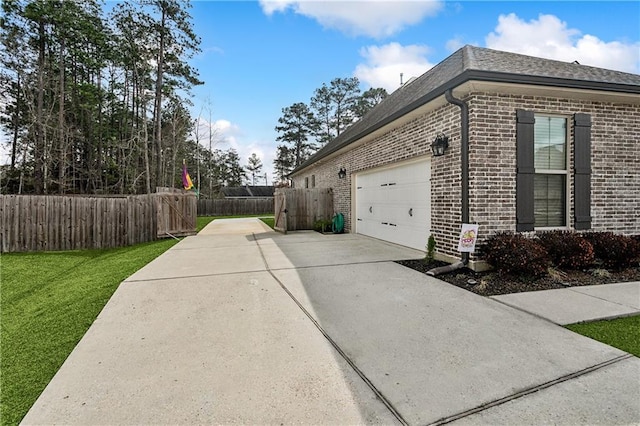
(375, 18)
(269, 7)
(454, 44)
(212, 49)
(385, 63)
(229, 135)
(549, 37)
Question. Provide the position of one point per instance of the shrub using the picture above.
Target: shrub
(613, 250)
(322, 225)
(636, 242)
(431, 248)
(516, 254)
(568, 249)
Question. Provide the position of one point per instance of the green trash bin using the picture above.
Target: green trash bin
(337, 225)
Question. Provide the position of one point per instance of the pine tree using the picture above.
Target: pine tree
(283, 163)
(297, 125)
(334, 107)
(254, 166)
(235, 172)
(176, 42)
(368, 100)
(79, 99)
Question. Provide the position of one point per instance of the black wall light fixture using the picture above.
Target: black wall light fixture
(342, 173)
(440, 145)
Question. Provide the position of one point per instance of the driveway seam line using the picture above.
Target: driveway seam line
(600, 318)
(531, 390)
(192, 276)
(335, 345)
(521, 309)
(335, 264)
(575, 290)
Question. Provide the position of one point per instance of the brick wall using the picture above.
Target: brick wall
(615, 160)
(615, 163)
(408, 141)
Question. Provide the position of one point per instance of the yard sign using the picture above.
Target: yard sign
(468, 238)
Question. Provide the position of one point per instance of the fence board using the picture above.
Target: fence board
(297, 209)
(235, 206)
(36, 223)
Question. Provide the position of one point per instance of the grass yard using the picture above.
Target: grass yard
(621, 333)
(203, 221)
(270, 221)
(48, 302)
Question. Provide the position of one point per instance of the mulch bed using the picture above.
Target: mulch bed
(492, 283)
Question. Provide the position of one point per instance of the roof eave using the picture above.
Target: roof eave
(469, 75)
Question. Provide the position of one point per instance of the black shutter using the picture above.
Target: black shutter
(582, 167)
(525, 218)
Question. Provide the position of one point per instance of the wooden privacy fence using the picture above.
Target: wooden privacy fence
(176, 214)
(46, 222)
(235, 206)
(297, 209)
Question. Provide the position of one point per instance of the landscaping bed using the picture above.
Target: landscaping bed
(549, 260)
(492, 283)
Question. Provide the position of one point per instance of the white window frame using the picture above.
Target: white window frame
(565, 172)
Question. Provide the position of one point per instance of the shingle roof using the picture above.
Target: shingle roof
(477, 63)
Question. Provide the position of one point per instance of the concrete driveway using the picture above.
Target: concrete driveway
(240, 325)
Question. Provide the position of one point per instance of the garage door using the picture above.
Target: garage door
(394, 204)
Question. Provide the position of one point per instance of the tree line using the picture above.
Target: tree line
(305, 128)
(97, 102)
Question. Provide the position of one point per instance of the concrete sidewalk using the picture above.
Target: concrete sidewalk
(240, 325)
(579, 304)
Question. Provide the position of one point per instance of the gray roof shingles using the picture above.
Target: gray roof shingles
(477, 63)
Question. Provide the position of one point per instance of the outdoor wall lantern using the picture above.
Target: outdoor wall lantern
(342, 173)
(440, 145)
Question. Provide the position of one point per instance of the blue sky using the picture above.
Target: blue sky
(259, 57)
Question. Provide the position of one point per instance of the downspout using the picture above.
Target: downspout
(464, 159)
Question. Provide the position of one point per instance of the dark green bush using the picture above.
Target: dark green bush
(322, 225)
(568, 249)
(516, 254)
(613, 250)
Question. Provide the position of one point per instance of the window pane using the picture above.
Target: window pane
(550, 134)
(549, 200)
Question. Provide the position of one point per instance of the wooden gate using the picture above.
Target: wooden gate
(176, 214)
(298, 209)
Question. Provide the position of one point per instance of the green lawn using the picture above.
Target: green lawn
(270, 221)
(203, 221)
(48, 300)
(621, 333)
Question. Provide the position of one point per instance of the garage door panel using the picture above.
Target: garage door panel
(400, 203)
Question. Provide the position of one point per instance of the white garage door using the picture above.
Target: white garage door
(394, 204)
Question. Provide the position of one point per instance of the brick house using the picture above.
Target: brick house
(533, 144)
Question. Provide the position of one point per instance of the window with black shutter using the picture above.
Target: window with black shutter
(582, 166)
(543, 171)
(525, 172)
